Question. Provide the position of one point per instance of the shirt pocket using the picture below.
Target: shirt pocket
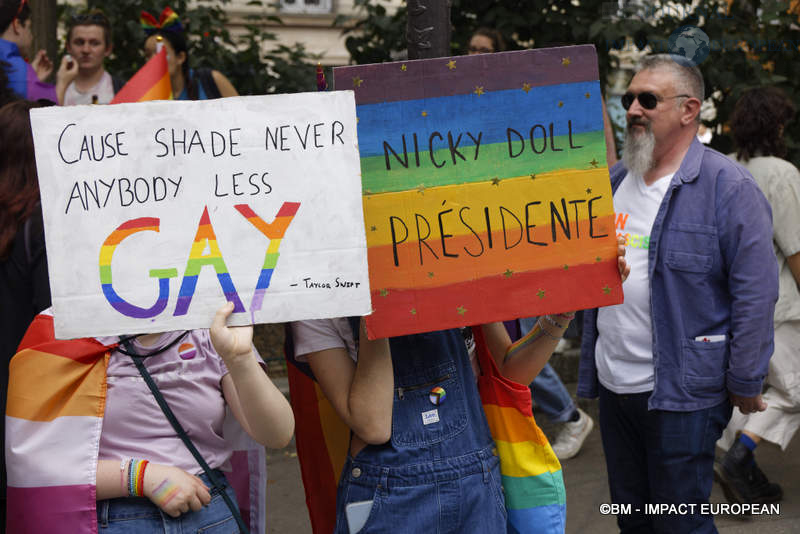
(690, 247)
(704, 366)
(417, 420)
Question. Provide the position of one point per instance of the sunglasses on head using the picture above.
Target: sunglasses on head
(646, 99)
(96, 17)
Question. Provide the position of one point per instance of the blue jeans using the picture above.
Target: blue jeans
(659, 457)
(548, 392)
(138, 515)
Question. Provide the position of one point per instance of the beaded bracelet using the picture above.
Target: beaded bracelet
(136, 469)
(553, 322)
(544, 330)
(567, 316)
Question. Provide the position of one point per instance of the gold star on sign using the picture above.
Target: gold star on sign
(588, 190)
(461, 310)
(565, 61)
(593, 163)
(540, 293)
(526, 87)
(403, 67)
(384, 292)
(373, 228)
(479, 90)
(424, 113)
(430, 274)
(533, 176)
(413, 311)
(509, 273)
(606, 290)
(598, 258)
(357, 81)
(588, 95)
(451, 64)
(566, 267)
(560, 104)
(495, 181)
(421, 190)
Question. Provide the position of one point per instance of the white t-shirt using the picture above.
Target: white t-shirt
(624, 349)
(103, 90)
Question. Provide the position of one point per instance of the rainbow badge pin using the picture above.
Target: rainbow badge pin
(186, 351)
(437, 395)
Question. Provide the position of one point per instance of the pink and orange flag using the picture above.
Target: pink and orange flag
(151, 82)
(54, 418)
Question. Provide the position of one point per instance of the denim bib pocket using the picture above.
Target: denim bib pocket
(416, 421)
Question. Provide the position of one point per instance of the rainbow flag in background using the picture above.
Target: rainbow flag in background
(54, 416)
(486, 191)
(151, 82)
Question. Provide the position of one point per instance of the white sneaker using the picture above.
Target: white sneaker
(570, 439)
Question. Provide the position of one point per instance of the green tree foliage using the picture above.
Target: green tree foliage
(751, 43)
(282, 68)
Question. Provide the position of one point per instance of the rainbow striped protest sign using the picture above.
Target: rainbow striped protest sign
(156, 213)
(485, 188)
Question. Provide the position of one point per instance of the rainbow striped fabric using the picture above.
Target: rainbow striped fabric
(486, 191)
(151, 82)
(54, 416)
(533, 484)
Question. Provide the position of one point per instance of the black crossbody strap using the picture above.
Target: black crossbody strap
(162, 403)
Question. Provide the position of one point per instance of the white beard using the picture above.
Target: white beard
(637, 155)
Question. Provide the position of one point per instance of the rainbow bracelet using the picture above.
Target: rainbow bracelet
(136, 469)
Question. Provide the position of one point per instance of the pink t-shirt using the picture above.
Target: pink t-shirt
(189, 375)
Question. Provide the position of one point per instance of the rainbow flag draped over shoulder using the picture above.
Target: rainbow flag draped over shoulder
(151, 82)
(54, 416)
(533, 483)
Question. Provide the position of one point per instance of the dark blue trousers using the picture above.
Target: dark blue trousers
(660, 457)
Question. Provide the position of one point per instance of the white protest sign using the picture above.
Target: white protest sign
(157, 212)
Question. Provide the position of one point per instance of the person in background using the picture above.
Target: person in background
(758, 123)
(187, 83)
(16, 39)
(24, 285)
(88, 45)
(694, 335)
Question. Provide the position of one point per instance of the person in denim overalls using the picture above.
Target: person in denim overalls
(421, 455)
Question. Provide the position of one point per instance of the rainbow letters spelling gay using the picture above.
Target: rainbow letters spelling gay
(204, 239)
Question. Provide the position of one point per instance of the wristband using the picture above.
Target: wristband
(122, 471)
(553, 322)
(567, 316)
(545, 332)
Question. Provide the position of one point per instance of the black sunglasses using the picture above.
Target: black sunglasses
(646, 99)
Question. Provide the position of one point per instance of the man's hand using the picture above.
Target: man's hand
(42, 65)
(748, 405)
(624, 268)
